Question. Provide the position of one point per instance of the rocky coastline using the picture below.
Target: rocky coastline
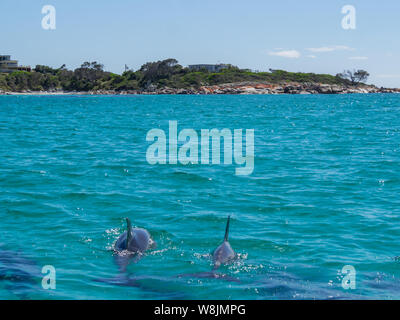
(243, 88)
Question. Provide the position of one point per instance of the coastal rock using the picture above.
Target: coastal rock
(324, 89)
(336, 89)
(249, 88)
(278, 90)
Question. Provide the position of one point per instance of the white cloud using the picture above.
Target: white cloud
(358, 58)
(311, 56)
(330, 49)
(286, 54)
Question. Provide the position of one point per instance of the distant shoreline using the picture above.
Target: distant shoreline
(169, 77)
(244, 88)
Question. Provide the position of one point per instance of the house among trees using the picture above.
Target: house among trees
(208, 67)
(7, 65)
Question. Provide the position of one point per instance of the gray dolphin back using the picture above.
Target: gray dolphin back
(133, 239)
(224, 252)
(221, 255)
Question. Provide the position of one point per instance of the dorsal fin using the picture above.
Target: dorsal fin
(128, 232)
(227, 229)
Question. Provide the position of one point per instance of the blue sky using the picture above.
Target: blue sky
(257, 34)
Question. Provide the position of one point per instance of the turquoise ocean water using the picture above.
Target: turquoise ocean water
(325, 193)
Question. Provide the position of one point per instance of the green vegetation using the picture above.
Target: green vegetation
(91, 76)
(355, 76)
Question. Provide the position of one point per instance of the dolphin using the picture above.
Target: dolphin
(223, 254)
(134, 240)
(131, 245)
(20, 274)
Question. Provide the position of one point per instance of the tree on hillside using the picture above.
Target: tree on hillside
(45, 69)
(155, 71)
(87, 77)
(355, 76)
(92, 65)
